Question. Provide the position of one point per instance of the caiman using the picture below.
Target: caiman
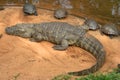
(63, 35)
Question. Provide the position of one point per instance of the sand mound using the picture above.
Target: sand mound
(38, 61)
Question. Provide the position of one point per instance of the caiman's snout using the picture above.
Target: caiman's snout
(9, 30)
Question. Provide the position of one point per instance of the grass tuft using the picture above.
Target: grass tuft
(62, 77)
(108, 76)
(114, 75)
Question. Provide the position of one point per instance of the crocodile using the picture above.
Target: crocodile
(63, 35)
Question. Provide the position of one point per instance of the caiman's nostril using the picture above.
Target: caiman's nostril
(8, 30)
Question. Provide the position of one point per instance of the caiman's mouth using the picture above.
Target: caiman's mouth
(19, 31)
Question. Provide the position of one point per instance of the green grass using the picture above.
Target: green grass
(62, 77)
(109, 76)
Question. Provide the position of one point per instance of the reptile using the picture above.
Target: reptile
(19, 5)
(63, 35)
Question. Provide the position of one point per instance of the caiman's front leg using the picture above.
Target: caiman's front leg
(63, 46)
(36, 37)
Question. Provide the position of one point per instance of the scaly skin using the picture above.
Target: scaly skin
(92, 45)
(63, 35)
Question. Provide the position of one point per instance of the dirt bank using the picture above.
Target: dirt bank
(38, 61)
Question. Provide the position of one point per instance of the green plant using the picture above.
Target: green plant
(62, 77)
(114, 75)
(108, 76)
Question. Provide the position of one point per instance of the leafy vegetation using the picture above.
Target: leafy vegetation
(109, 76)
(62, 77)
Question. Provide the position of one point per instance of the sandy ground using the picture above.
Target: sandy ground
(27, 60)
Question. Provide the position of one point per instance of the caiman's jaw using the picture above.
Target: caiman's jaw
(22, 31)
(9, 30)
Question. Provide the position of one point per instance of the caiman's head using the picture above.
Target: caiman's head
(22, 30)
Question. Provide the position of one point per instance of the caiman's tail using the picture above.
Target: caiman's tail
(92, 45)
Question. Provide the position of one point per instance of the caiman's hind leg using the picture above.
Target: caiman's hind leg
(63, 46)
(36, 37)
(69, 39)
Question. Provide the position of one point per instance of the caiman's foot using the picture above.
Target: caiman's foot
(32, 40)
(59, 47)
